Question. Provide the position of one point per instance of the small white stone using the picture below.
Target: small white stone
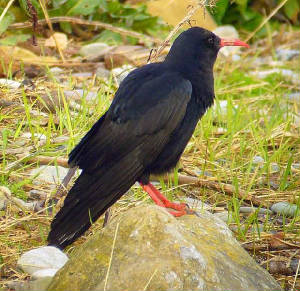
(94, 49)
(82, 75)
(229, 32)
(289, 74)
(286, 209)
(44, 273)
(286, 54)
(48, 174)
(39, 136)
(47, 257)
(258, 160)
(79, 94)
(275, 168)
(10, 83)
(56, 71)
(196, 204)
(221, 107)
(122, 72)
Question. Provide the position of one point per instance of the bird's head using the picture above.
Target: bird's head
(199, 46)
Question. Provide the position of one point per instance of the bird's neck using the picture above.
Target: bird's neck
(202, 79)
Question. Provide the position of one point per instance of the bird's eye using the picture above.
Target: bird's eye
(210, 40)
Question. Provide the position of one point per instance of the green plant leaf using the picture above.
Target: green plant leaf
(65, 27)
(242, 4)
(14, 39)
(80, 7)
(292, 9)
(219, 10)
(6, 21)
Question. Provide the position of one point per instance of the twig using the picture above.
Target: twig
(34, 18)
(107, 26)
(253, 246)
(202, 3)
(266, 20)
(45, 160)
(106, 217)
(63, 186)
(296, 275)
(222, 187)
(111, 255)
(6, 9)
(51, 29)
(9, 197)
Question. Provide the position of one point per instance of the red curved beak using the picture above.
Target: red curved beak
(233, 42)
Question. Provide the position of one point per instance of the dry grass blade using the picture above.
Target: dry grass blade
(177, 27)
(75, 20)
(221, 187)
(6, 9)
(266, 20)
(150, 279)
(111, 256)
(51, 29)
(296, 275)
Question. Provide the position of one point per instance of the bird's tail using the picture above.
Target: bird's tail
(91, 195)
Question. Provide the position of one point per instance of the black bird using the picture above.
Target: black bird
(145, 131)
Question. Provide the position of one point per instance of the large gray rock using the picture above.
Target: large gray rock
(155, 251)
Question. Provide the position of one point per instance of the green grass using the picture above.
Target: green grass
(258, 122)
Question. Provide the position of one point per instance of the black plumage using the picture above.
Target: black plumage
(145, 131)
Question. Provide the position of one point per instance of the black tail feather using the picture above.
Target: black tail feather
(90, 197)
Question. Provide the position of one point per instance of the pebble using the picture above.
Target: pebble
(196, 204)
(37, 194)
(295, 166)
(56, 71)
(257, 228)
(258, 160)
(284, 72)
(39, 136)
(221, 161)
(103, 73)
(95, 50)
(82, 75)
(286, 54)
(245, 209)
(220, 131)
(221, 107)
(236, 58)
(48, 174)
(78, 94)
(274, 185)
(122, 72)
(3, 201)
(274, 168)
(46, 257)
(285, 208)
(228, 31)
(294, 97)
(10, 83)
(202, 173)
(44, 273)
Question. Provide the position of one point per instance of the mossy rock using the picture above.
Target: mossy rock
(155, 251)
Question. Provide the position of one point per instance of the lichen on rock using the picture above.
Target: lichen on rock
(156, 251)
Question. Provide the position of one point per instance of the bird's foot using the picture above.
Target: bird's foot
(161, 200)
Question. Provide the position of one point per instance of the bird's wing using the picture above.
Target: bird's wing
(118, 149)
(145, 110)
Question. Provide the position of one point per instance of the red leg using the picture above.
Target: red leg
(162, 201)
(167, 203)
(152, 194)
